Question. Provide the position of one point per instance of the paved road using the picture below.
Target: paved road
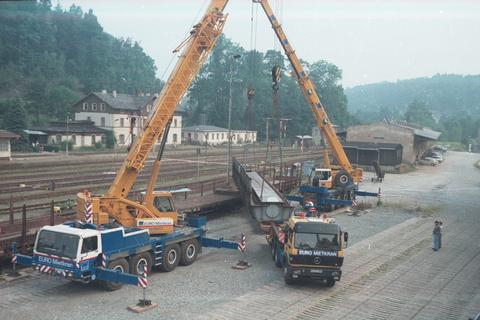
(390, 271)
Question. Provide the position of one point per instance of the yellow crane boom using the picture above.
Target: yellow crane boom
(157, 212)
(310, 93)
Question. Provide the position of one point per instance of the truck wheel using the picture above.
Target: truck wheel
(189, 252)
(330, 282)
(137, 263)
(287, 275)
(116, 265)
(170, 257)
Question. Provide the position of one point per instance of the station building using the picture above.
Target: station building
(124, 114)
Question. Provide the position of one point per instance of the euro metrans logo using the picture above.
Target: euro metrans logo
(154, 222)
(317, 253)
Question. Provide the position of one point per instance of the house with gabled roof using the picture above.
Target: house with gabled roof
(414, 139)
(124, 114)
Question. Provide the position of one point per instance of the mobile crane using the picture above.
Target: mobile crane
(126, 235)
(334, 184)
(308, 246)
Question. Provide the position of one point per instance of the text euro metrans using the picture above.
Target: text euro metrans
(317, 253)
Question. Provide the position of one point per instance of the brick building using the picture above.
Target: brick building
(413, 139)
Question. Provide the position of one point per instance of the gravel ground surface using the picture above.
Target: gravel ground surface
(210, 283)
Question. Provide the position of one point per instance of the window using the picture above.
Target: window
(121, 139)
(93, 139)
(58, 138)
(174, 123)
(121, 122)
(218, 134)
(206, 136)
(94, 107)
(89, 118)
(174, 138)
(163, 204)
(3, 145)
(103, 139)
(102, 106)
(102, 122)
(85, 106)
(74, 139)
(90, 244)
(222, 136)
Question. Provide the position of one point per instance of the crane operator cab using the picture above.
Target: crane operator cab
(321, 178)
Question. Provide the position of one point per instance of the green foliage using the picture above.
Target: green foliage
(50, 58)
(209, 94)
(418, 113)
(14, 115)
(444, 95)
(110, 139)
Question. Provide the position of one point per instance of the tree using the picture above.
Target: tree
(418, 113)
(15, 115)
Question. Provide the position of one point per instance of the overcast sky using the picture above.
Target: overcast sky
(370, 41)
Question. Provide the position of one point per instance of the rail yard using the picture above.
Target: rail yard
(127, 195)
(391, 271)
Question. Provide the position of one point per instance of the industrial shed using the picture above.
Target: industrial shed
(364, 153)
(413, 139)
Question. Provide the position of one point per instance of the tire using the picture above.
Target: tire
(170, 257)
(330, 282)
(287, 275)
(138, 261)
(343, 179)
(117, 264)
(189, 251)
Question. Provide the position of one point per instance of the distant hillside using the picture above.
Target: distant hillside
(49, 57)
(444, 95)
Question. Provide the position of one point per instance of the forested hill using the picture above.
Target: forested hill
(444, 95)
(49, 57)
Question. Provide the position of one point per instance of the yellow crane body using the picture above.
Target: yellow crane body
(156, 211)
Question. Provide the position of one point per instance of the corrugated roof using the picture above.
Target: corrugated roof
(8, 135)
(205, 128)
(80, 127)
(417, 129)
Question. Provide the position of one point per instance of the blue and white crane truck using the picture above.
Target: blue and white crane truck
(115, 254)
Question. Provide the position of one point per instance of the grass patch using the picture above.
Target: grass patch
(423, 209)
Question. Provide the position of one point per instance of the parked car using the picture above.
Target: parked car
(437, 156)
(428, 161)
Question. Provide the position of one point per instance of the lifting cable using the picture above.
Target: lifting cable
(253, 40)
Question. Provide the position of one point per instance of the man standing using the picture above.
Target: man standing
(437, 233)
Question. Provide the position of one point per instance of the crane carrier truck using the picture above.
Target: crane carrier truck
(124, 235)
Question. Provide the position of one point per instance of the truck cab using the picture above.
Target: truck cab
(313, 248)
(70, 252)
